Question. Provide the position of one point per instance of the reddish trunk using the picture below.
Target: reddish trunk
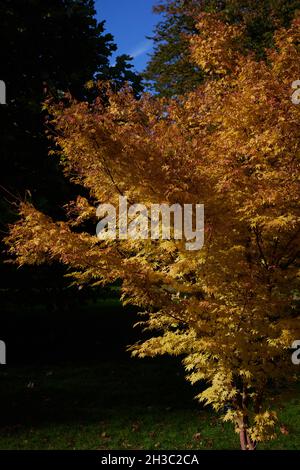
(243, 422)
(245, 441)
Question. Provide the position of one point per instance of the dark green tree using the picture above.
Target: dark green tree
(47, 47)
(170, 72)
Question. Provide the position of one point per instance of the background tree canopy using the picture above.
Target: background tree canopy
(47, 47)
(170, 70)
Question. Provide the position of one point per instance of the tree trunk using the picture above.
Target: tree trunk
(245, 441)
(243, 422)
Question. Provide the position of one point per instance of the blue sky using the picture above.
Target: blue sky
(129, 21)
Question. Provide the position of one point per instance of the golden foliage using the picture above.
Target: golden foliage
(233, 144)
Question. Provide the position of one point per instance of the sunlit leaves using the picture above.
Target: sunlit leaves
(233, 144)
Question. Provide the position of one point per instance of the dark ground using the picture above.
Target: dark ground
(70, 384)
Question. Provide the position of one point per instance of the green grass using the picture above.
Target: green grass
(117, 404)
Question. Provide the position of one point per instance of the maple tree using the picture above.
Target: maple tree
(231, 309)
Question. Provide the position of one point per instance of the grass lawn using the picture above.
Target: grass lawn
(116, 404)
